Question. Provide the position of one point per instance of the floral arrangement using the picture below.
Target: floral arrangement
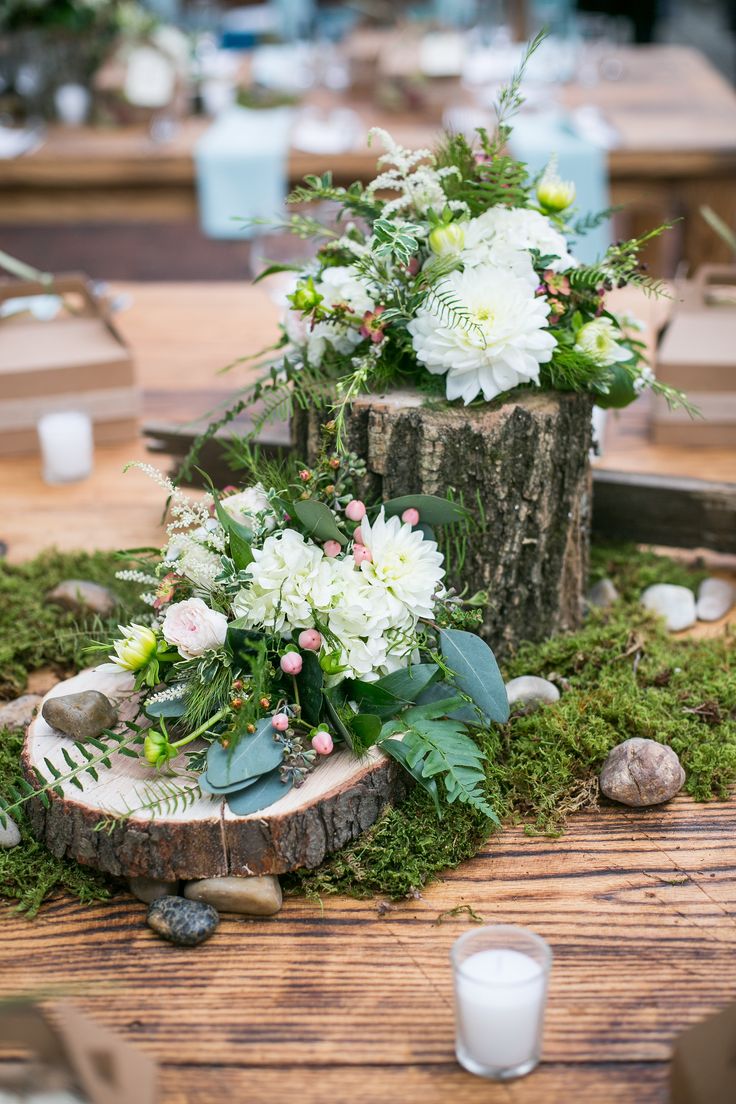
(294, 620)
(455, 271)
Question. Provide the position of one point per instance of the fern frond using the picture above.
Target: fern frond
(164, 797)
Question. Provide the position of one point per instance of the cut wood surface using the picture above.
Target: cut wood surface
(204, 839)
(351, 1001)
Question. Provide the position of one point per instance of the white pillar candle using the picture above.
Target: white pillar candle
(72, 102)
(500, 991)
(66, 446)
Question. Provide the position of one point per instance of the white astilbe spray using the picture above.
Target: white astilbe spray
(185, 512)
(413, 175)
(136, 577)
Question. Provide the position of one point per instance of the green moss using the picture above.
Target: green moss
(623, 674)
(35, 634)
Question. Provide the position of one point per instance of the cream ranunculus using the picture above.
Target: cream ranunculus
(405, 569)
(136, 647)
(291, 579)
(194, 628)
(597, 340)
(502, 342)
(250, 507)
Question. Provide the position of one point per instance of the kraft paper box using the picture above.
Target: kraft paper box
(76, 360)
(698, 355)
(703, 1069)
(61, 1051)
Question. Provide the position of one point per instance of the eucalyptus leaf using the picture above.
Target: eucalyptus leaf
(266, 791)
(433, 510)
(439, 691)
(475, 672)
(171, 707)
(318, 521)
(254, 755)
(206, 786)
(310, 681)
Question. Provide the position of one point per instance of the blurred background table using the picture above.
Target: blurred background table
(117, 204)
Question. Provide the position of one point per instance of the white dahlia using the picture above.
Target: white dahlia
(291, 580)
(517, 228)
(405, 569)
(501, 345)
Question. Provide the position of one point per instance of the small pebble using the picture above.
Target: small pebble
(18, 714)
(250, 896)
(715, 598)
(150, 889)
(183, 922)
(603, 594)
(81, 596)
(531, 690)
(676, 604)
(641, 772)
(9, 833)
(80, 716)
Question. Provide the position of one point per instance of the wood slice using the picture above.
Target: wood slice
(521, 466)
(340, 799)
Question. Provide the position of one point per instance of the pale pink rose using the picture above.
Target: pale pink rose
(194, 628)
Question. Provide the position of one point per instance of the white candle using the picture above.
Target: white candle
(500, 994)
(72, 103)
(66, 446)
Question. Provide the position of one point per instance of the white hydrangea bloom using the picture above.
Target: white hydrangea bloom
(502, 345)
(514, 228)
(291, 578)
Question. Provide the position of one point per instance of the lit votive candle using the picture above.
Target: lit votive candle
(501, 975)
(66, 446)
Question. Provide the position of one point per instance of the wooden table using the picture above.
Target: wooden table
(181, 335)
(351, 1001)
(675, 115)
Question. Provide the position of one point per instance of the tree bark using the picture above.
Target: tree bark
(521, 467)
(339, 800)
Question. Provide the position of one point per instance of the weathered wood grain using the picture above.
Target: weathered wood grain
(348, 1002)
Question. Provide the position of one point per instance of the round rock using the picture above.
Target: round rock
(603, 594)
(9, 833)
(250, 896)
(150, 889)
(676, 604)
(82, 597)
(715, 598)
(183, 922)
(531, 690)
(18, 714)
(641, 772)
(80, 716)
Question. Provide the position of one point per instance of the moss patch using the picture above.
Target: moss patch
(622, 675)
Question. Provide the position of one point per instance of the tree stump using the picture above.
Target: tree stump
(521, 467)
(340, 799)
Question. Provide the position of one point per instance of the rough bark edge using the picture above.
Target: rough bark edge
(168, 850)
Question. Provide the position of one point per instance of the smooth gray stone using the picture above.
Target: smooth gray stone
(10, 833)
(676, 604)
(715, 598)
(18, 714)
(183, 922)
(603, 594)
(250, 896)
(531, 690)
(641, 772)
(150, 889)
(81, 596)
(80, 716)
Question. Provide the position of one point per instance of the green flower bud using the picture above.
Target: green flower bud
(446, 239)
(306, 298)
(136, 649)
(554, 194)
(331, 663)
(156, 748)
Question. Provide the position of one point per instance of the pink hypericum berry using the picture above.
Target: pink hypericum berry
(305, 475)
(291, 663)
(410, 516)
(332, 548)
(361, 554)
(322, 742)
(355, 510)
(280, 722)
(310, 639)
(358, 536)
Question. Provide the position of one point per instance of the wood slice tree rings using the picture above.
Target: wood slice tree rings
(339, 800)
(522, 467)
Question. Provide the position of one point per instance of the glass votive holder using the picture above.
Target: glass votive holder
(501, 974)
(67, 446)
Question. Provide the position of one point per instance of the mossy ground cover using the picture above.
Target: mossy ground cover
(622, 675)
